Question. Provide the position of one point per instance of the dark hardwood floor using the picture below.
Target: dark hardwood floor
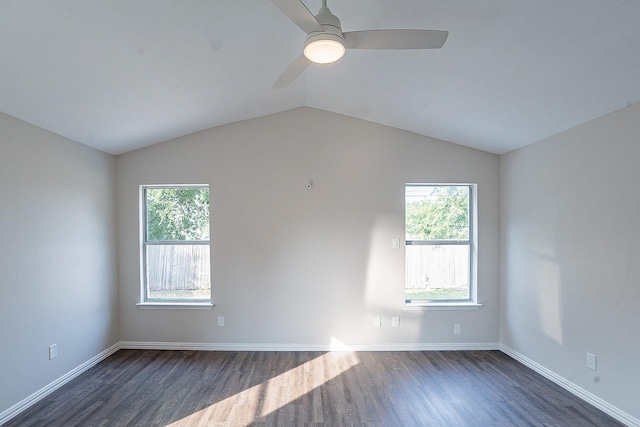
(199, 388)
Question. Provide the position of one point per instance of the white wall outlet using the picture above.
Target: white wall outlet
(376, 321)
(591, 361)
(53, 351)
(395, 321)
(395, 243)
(220, 320)
(457, 329)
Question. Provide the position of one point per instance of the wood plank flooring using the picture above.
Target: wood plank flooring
(200, 388)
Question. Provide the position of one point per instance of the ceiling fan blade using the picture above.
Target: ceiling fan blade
(299, 14)
(292, 72)
(395, 39)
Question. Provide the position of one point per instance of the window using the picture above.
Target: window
(175, 244)
(439, 243)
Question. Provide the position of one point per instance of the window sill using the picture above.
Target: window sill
(442, 306)
(174, 305)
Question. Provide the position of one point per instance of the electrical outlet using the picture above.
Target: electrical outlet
(395, 321)
(53, 351)
(591, 361)
(457, 329)
(376, 321)
(220, 320)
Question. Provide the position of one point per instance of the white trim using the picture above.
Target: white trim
(144, 243)
(583, 394)
(472, 242)
(143, 345)
(442, 306)
(174, 305)
(50, 388)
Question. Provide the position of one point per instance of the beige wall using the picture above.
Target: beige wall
(570, 220)
(57, 257)
(293, 266)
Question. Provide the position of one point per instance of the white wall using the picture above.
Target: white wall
(57, 257)
(295, 266)
(570, 216)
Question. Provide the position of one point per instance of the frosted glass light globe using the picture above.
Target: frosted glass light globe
(324, 51)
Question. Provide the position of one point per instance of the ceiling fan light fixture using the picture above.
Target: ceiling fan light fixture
(324, 48)
(324, 51)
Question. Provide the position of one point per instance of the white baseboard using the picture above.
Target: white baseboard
(583, 394)
(143, 345)
(50, 388)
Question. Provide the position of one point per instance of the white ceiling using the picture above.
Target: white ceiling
(118, 75)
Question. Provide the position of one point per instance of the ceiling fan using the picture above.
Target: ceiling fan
(327, 43)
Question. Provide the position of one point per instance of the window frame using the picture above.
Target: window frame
(145, 301)
(471, 242)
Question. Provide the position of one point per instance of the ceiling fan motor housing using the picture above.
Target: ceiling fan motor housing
(332, 37)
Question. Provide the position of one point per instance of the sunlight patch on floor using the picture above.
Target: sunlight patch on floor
(258, 402)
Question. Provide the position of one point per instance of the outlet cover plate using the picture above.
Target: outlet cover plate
(53, 351)
(591, 361)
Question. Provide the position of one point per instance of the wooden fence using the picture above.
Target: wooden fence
(186, 267)
(178, 267)
(444, 266)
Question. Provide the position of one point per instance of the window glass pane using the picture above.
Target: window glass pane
(178, 272)
(437, 272)
(437, 212)
(177, 214)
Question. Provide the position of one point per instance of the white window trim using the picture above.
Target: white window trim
(174, 305)
(472, 303)
(442, 305)
(168, 304)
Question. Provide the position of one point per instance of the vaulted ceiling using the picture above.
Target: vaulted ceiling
(118, 75)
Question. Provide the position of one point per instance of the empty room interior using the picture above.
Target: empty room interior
(306, 174)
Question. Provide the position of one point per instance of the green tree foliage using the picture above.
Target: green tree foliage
(443, 213)
(177, 213)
